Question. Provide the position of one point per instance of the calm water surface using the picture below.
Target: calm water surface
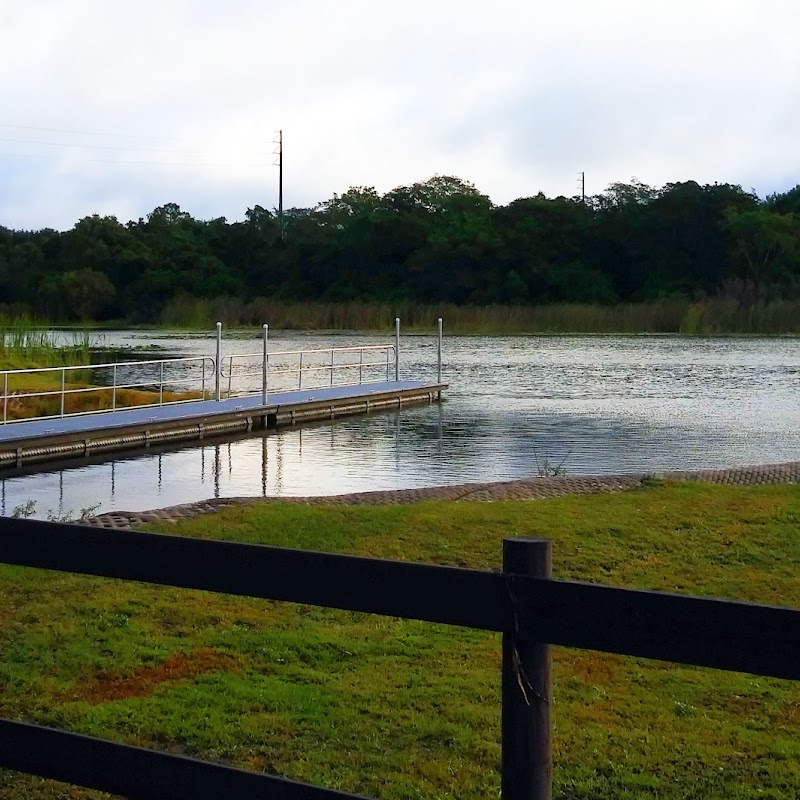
(515, 406)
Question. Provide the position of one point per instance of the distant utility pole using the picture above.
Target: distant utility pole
(279, 163)
(582, 184)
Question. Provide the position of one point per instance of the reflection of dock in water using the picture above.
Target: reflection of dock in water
(319, 457)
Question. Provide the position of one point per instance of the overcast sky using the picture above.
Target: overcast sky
(116, 107)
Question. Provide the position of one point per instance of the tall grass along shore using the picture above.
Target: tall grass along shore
(27, 341)
(25, 344)
(398, 709)
(714, 316)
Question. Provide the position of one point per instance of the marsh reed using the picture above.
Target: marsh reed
(719, 315)
(26, 344)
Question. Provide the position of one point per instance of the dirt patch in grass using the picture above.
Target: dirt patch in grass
(6, 614)
(749, 706)
(106, 686)
(592, 668)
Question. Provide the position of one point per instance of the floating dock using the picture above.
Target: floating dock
(77, 435)
(251, 391)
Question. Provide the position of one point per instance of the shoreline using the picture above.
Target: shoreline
(533, 488)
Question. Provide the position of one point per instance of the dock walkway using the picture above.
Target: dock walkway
(133, 427)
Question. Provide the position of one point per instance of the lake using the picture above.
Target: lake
(516, 407)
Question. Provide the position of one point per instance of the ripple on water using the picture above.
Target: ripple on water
(517, 406)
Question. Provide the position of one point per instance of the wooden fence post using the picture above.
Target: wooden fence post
(527, 761)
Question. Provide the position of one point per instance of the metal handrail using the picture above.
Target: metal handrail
(353, 348)
(391, 352)
(264, 367)
(207, 367)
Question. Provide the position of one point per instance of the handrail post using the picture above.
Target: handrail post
(218, 364)
(361, 366)
(161, 383)
(527, 761)
(5, 397)
(114, 389)
(300, 376)
(439, 352)
(333, 354)
(397, 348)
(264, 368)
(63, 388)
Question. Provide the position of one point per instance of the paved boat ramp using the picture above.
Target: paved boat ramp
(355, 380)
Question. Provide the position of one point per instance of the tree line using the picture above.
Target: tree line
(439, 240)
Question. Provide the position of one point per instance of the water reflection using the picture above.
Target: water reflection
(597, 404)
(294, 461)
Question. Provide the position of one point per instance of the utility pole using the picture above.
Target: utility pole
(582, 184)
(279, 163)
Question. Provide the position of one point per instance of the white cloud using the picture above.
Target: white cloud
(515, 96)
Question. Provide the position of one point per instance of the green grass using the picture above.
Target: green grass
(400, 709)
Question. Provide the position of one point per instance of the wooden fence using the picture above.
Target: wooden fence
(523, 602)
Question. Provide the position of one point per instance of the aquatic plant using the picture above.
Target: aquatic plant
(25, 344)
(722, 314)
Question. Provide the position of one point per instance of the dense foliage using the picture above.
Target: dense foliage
(440, 240)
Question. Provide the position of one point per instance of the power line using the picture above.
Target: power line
(257, 159)
(171, 163)
(81, 133)
(87, 133)
(99, 146)
(94, 146)
(143, 163)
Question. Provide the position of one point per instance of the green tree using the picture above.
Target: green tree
(766, 246)
(105, 246)
(685, 244)
(785, 202)
(540, 240)
(86, 293)
(455, 253)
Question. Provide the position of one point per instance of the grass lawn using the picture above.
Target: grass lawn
(399, 709)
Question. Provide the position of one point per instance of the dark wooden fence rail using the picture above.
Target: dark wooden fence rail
(531, 609)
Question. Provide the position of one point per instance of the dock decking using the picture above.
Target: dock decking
(39, 440)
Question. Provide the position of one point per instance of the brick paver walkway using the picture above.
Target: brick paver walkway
(524, 489)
